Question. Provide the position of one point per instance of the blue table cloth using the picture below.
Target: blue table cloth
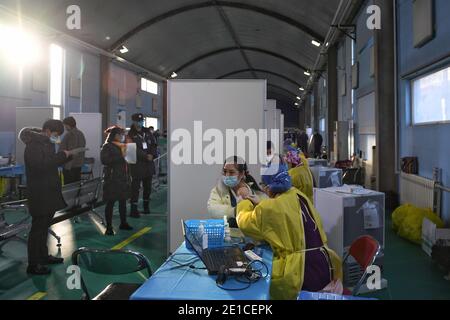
(175, 282)
(12, 171)
(305, 295)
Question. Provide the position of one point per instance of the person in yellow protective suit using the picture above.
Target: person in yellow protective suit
(301, 176)
(293, 228)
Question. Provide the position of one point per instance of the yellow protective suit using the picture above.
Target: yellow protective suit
(302, 179)
(278, 222)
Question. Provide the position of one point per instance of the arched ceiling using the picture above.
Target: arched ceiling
(209, 39)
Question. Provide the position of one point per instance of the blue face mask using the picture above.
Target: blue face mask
(55, 139)
(230, 181)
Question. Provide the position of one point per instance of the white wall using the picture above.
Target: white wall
(219, 104)
(91, 126)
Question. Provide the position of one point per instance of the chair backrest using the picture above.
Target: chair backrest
(88, 191)
(364, 250)
(109, 262)
(89, 161)
(70, 194)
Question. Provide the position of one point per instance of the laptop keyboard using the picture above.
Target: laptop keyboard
(214, 259)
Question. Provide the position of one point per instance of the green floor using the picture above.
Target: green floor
(88, 232)
(410, 272)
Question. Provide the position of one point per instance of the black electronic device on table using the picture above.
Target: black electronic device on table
(214, 258)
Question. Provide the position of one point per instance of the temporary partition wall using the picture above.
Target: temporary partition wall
(279, 120)
(281, 130)
(211, 104)
(270, 119)
(270, 105)
(91, 126)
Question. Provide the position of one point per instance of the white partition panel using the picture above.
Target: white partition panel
(281, 130)
(216, 104)
(91, 126)
(270, 105)
(279, 120)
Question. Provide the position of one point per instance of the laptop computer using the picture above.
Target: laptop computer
(214, 258)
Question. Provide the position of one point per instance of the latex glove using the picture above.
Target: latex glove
(254, 199)
(243, 192)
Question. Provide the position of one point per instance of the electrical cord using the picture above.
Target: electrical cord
(250, 276)
(184, 264)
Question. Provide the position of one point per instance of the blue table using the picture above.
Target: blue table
(172, 282)
(316, 296)
(12, 171)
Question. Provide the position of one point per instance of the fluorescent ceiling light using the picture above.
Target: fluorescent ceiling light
(296, 104)
(316, 43)
(123, 49)
(174, 75)
(298, 98)
(301, 89)
(307, 73)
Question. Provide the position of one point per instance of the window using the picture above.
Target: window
(151, 122)
(56, 74)
(322, 125)
(431, 98)
(149, 86)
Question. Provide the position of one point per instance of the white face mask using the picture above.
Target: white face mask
(269, 158)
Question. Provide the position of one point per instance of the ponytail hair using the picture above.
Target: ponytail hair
(112, 131)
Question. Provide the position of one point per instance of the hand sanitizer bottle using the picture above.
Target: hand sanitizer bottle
(227, 231)
(203, 236)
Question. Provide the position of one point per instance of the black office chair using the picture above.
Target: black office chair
(111, 262)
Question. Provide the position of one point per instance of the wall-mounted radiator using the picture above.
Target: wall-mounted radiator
(420, 192)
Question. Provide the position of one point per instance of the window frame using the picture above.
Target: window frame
(146, 86)
(411, 81)
(62, 82)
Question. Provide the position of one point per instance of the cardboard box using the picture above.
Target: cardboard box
(432, 234)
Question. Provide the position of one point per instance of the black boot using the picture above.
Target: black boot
(134, 211)
(109, 231)
(54, 260)
(125, 226)
(38, 270)
(146, 207)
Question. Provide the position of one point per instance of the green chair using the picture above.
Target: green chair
(110, 262)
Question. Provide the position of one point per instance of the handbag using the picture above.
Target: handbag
(410, 165)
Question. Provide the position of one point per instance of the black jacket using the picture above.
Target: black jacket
(302, 142)
(41, 167)
(143, 168)
(116, 185)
